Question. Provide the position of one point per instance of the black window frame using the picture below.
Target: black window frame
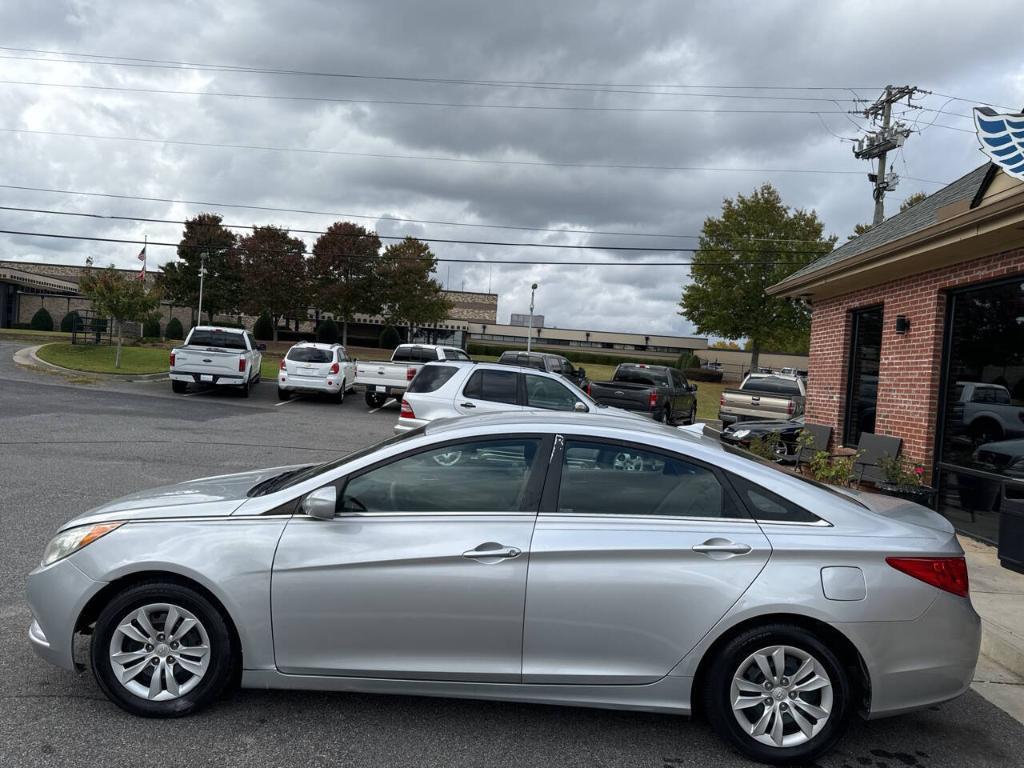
(553, 482)
(525, 395)
(520, 393)
(738, 481)
(530, 504)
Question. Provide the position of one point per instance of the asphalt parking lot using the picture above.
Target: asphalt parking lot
(66, 447)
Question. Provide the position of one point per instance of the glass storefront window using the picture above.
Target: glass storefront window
(981, 454)
(865, 357)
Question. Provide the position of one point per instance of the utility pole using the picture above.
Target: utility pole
(887, 138)
(529, 333)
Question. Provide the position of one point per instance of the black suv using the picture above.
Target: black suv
(544, 361)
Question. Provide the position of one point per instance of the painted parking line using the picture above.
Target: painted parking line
(386, 404)
(292, 399)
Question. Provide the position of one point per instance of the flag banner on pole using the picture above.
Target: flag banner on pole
(142, 254)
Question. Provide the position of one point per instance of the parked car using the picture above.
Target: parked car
(544, 361)
(216, 357)
(443, 390)
(741, 435)
(985, 412)
(763, 396)
(383, 381)
(657, 390)
(316, 368)
(1005, 457)
(562, 558)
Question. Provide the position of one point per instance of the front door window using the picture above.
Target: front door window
(862, 389)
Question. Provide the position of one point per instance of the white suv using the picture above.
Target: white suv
(316, 368)
(447, 390)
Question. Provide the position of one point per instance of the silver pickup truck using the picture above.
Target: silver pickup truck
(385, 380)
(763, 396)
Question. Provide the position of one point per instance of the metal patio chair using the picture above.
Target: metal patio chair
(820, 435)
(870, 451)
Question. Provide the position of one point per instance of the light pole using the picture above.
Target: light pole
(202, 274)
(529, 335)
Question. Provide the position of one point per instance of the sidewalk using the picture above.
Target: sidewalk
(998, 596)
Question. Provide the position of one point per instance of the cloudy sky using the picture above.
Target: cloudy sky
(780, 62)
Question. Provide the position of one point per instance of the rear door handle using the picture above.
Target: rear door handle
(721, 547)
(467, 405)
(491, 550)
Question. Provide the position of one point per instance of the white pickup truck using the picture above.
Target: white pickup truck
(216, 357)
(764, 396)
(383, 381)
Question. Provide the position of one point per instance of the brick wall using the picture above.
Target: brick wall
(910, 366)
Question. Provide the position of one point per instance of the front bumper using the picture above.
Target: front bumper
(407, 425)
(57, 594)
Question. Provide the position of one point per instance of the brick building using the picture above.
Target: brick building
(911, 315)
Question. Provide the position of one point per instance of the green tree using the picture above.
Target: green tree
(908, 202)
(174, 329)
(389, 338)
(408, 294)
(859, 230)
(756, 242)
(119, 297)
(274, 265)
(343, 273)
(41, 320)
(263, 328)
(151, 327)
(222, 286)
(327, 332)
(70, 320)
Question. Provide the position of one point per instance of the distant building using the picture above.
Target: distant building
(524, 320)
(597, 341)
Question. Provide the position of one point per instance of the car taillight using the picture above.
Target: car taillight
(946, 573)
(790, 407)
(282, 366)
(721, 400)
(588, 390)
(409, 373)
(172, 359)
(335, 368)
(652, 401)
(241, 365)
(406, 412)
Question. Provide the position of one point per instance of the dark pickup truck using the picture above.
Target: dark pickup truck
(658, 390)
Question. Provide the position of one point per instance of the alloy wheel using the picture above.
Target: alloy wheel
(781, 696)
(159, 652)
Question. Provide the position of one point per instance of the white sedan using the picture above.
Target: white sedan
(316, 368)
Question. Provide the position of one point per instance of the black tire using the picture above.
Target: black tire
(222, 651)
(245, 389)
(666, 416)
(693, 416)
(179, 387)
(717, 694)
(374, 400)
(340, 396)
(986, 431)
(283, 394)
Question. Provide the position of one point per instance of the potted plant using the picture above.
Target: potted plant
(904, 480)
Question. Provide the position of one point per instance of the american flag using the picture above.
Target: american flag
(142, 258)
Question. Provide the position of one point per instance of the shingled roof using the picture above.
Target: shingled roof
(914, 219)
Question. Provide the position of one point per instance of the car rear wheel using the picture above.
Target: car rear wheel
(778, 694)
(374, 400)
(692, 418)
(283, 394)
(340, 396)
(161, 650)
(179, 387)
(245, 389)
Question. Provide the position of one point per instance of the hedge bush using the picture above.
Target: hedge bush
(702, 374)
(68, 323)
(389, 338)
(263, 330)
(283, 334)
(41, 320)
(151, 328)
(327, 332)
(688, 360)
(174, 329)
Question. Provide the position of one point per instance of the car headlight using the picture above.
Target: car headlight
(739, 434)
(73, 539)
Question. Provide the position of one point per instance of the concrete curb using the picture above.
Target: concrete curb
(27, 356)
(1002, 646)
(997, 595)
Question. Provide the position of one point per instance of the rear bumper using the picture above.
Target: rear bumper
(225, 379)
(407, 425)
(330, 384)
(387, 390)
(56, 596)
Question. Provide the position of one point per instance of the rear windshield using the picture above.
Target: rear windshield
(310, 355)
(772, 385)
(431, 378)
(772, 465)
(642, 376)
(217, 338)
(414, 355)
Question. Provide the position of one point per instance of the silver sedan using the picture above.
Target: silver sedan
(577, 559)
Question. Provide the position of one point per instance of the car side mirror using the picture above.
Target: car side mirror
(261, 347)
(693, 387)
(581, 372)
(580, 407)
(321, 503)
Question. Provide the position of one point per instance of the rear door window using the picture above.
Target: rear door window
(494, 386)
(431, 378)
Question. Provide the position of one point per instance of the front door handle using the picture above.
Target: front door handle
(720, 548)
(492, 551)
(467, 405)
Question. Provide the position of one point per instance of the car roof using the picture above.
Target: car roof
(315, 345)
(224, 328)
(549, 421)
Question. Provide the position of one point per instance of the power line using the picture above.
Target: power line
(372, 217)
(440, 158)
(156, 243)
(399, 238)
(462, 105)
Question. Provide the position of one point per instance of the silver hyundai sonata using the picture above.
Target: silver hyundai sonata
(560, 558)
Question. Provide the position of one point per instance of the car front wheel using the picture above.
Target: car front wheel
(161, 650)
(778, 694)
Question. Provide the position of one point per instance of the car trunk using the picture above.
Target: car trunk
(208, 362)
(900, 509)
(299, 370)
(622, 394)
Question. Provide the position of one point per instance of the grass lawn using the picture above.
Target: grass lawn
(100, 359)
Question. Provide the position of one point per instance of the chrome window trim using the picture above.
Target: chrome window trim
(429, 514)
(626, 517)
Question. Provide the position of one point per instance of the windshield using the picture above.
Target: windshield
(778, 468)
(302, 475)
(641, 376)
(217, 338)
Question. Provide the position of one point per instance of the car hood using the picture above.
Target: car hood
(205, 497)
(900, 510)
